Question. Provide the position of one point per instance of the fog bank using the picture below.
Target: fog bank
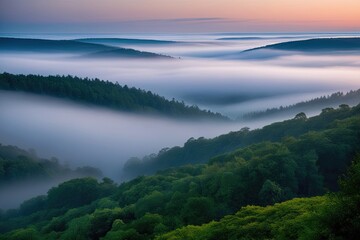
(84, 135)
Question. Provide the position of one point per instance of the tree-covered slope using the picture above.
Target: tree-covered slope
(316, 45)
(335, 216)
(293, 219)
(18, 165)
(103, 93)
(201, 150)
(83, 49)
(49, 46)
(259, 174)
(125, 53)
(125, 41)
(350, 98)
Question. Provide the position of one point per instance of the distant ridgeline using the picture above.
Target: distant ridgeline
(201, 150)
(17, 165)
(351, 98)
(316, 44)
(216, 200)
(104, 93)
(81, 49)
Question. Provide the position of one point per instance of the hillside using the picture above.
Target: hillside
(350, 98)
(293, 219)
(125, 41)
(201, 150)
(334, 216)
(316, 45)
(82, 49)
(105, 94)
(125, 53)
(261, 174)
(18, 165)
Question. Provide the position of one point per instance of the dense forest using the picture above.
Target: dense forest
(17, 165)
(333, 216)
(350, 98)
(201, 149)
(104, 93)
(305, 161)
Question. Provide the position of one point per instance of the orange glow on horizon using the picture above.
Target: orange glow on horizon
(273, 14)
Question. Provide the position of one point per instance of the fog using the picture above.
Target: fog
(209, 83)
(204, 75)
(85, 135)
(12, 195)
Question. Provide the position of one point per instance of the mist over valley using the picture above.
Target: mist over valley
(200, 73)
(178, 120)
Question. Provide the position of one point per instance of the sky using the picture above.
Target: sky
(181, 16)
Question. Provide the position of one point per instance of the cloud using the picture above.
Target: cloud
(192, 19)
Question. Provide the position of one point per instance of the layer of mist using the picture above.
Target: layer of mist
(82, 135)
(14, 194)
(208, 82)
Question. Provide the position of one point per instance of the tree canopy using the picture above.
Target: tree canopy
(104, 93)
(277, 176)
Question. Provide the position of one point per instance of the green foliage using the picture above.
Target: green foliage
(74, 193)
(33, 205)
(150, 203)
(270, 193)
(18, 165)
(201, 150)
(22, 234)
(198, 210)
(294, 219)
(163, 205)
(335, 99)
(130, 234)
(103, 93)
(106, 203)
(59, 223)
(341, 217)
(143, 228)
(101, 222)
(335, 216)
(78, 229)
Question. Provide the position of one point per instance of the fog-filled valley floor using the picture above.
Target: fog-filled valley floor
(145, 122)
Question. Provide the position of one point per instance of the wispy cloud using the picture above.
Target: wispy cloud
(197, 20)
(208, 19)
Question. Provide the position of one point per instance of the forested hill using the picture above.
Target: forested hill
(126, 41)
(317, 44)
(104, 93)
(18, 165)
(333, 216)
(262, 174)
(202, 149)
(82, 49)
(351, 98)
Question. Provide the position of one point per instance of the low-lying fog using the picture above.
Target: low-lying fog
(82, 135)
(98, 137)
(13, 195)
(213, 84)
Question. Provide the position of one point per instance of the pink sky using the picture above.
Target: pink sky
(180, 15)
